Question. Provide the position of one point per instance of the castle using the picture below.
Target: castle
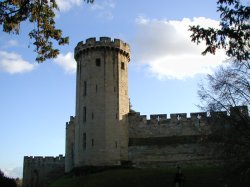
(104, 132)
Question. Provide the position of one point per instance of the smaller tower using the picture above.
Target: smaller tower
(102, 104)
(69, 145)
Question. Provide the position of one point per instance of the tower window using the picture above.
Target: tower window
(122, 65)
(84, 114)
(92, 142)
(78, 68)
(84, 143)
(92, 115)
(85, 88)
(98, 62)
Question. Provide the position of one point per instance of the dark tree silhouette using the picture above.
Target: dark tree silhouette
(228, 89)
(1, 174)
(6, 182)
(234, 32)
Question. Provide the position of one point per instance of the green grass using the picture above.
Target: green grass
(194, 177)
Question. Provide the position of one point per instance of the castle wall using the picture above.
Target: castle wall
(162, 141)
(40, 171)
(170, 155)
(159, 125)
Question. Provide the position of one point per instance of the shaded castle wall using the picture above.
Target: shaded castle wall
(171, 155)
(40, 171)
(162, 141)
(160, 126)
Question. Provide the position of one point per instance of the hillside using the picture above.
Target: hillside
(194, 177)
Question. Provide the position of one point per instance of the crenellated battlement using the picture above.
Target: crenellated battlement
(183, 116)
(174, 117)
(179, 124)
(198, 115)
(71, 121)
(102, 43)
(135, 119)
(39, 171)
(39, 160)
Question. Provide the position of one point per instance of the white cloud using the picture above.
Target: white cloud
(11, 43)
(67, 62)
(103, 5)
(12, 63)
(65, 5)
(165, 47)
(13, 172)
(104, 9)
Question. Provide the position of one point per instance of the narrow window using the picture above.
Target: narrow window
(96, 88)
(84, 141)
(116, 145)
(78, 68)
(84, 114)
(116, 116)
(113, 68)
(98, 62)
(85, 88)
(114, 89)
(92, 142)
(122, 65)
(92, 115)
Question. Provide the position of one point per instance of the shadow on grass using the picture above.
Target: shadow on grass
(194, 177)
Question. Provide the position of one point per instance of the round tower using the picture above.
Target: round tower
(102, 103)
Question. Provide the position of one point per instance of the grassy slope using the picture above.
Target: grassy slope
(194, 177)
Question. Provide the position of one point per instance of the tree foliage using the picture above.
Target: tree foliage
(6, 182)
(1, 174)
(39, 12)
(228, 89)
(234, 32)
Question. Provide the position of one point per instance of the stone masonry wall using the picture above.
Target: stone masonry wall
(40, 171)
(162, 141)
(101, 136)
(160, 126)
(70, 144)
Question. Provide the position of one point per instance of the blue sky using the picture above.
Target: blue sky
(38, 99)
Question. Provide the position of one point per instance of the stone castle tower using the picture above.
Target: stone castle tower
(98, 135)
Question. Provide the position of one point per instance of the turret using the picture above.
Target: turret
(69, 145)
(102, 104)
